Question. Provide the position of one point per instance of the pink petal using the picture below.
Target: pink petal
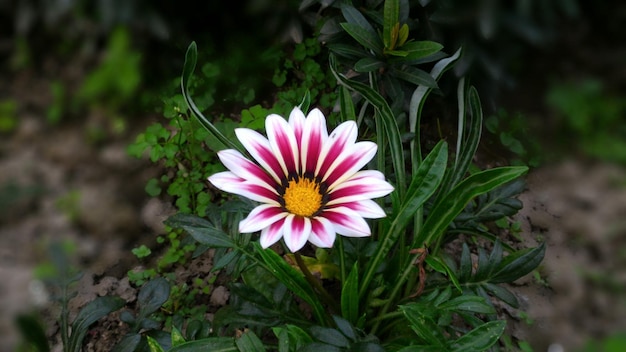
(366, 208)
(244, 168)
(347, 222)
(272, 233)
(259, 147)
(296, 232)
(224, 179)
(283, 143)
(342, 137)
(313, 138)
(322, 232)
(365, 185)
(296, 121)
(352, 160)
(261, 217)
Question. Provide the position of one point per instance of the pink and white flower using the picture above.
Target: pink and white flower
(308, 182)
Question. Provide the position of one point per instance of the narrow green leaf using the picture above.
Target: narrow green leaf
(345, 327)
(345, 50)
(484, 268)
(294, 281)
(354, 16)
(210, 236)
(417, 103)
(390, 19)
(474, 304)
(191, 58)
(291, 337)
(419, 49)
(440, 266)
(213, 344)
(306, 102)
(350, 296)
(453, 203)
(415, 76)
(502, 293)
(329, 336)
(427, 330)
(388, 120)
(249, 342)
(368, 64)
(465, 266)
(92, 312)
(481, 338)
(368, 39)
(346, 106)
(422, 187)
(519, 264)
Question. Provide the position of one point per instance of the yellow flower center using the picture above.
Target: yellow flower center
(302, 197)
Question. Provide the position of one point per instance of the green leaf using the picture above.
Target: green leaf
(350, 296)
(390, 16)
(474, 304)
(346, 106)
(294, 281)
(417, 103)
(519, 264)
(154, 345)
(422, 187)
(388, 119)
(213, 344)
(191, 58)
(419, 49)
(501, 293)
(368, 64)
(444, 212)
(329, 336)
(368, 39)
(201, 230)
(152, 295)
(92, 312)
(467, 141)
(440, 266)
(479, 339)
(465, 267)
(249, 342)
(427, 330)
(177, 337)
(415, 76)
(291, 337)
(345, 327)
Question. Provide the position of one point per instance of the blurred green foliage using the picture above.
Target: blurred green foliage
(590, 118)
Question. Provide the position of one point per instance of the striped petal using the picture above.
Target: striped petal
(342, 137)
(365, 185)
(259, 147)
(244, 168)
(366, 208)
(297, 121)
(272, 233)
(347, 222)
(322, 232)
(314, 136)
(352, 160)
(261, 217)
(283, 143)
(296, 232)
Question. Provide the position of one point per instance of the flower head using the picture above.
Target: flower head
(307, 181)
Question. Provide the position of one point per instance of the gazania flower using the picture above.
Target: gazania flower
(308, 182)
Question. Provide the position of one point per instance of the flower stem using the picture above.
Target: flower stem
(321, 291)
